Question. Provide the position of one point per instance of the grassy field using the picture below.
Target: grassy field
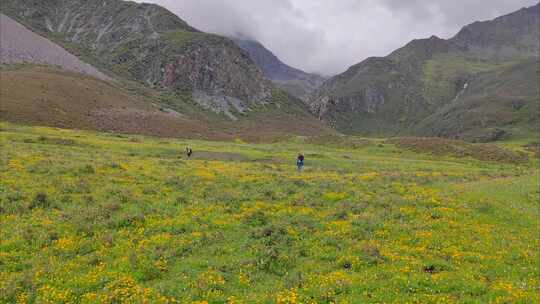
(103, 218)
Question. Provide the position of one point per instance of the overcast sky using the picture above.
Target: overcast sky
(328, 36)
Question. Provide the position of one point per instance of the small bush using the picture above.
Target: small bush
(334, 196)
(340, 215)
(57, 141)
(149, 191)
(12, 204)
(436, 267)
(258, 218)
(273, 250)
(115, 166)
(484, 207)
(181, 200)
(365, 226)
(40, 201)
(371, 254)
(88, 169)
(128, 220)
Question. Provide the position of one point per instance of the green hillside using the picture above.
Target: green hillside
(501, 99)
(480, 85)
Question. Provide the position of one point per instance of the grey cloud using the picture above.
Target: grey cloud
(328, 36)
(459, 12)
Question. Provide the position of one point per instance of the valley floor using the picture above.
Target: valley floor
(103, 218)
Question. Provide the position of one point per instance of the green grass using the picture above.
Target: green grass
(441, 74)
(104, 218)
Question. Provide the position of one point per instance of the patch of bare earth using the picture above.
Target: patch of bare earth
(456, 148)
(51, 97)
(44, 96)
(339, 141)
(534, 148)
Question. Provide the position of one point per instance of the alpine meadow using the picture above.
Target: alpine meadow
(143, 160)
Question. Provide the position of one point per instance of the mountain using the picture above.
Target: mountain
(147, 43)
(480, 85)
(20, 45)
(294, 81)
(151, 52)
(511, 36)
(44, 84)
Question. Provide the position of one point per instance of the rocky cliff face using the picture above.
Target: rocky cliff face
(395, 94)
(294, 81)
(101, 24)
(216, 66)
(147, 43)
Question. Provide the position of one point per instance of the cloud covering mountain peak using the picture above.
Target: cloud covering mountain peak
(327, 37)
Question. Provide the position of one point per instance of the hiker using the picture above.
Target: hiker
(189, 152)
(300, 162)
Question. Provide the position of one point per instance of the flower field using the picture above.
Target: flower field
(102, 218)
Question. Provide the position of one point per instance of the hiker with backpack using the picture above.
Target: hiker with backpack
(300, 162)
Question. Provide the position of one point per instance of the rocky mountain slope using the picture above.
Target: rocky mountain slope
(507, 37)
(294, 81)
(430, 86)
(147, 43)
(153, 54)
(20, 45)
(49, 96)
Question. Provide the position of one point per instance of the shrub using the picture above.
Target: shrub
(273, 250)
(11, 204)
(56, 141)
(257, 218)
(40, 201)
(365, 225)
(127, 220)
(181, 200)
(88, 169)
(484, 207)
(334, 196)
(436, 267)
(371, 254)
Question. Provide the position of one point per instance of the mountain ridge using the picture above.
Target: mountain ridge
(392, 95)
(293, 80)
